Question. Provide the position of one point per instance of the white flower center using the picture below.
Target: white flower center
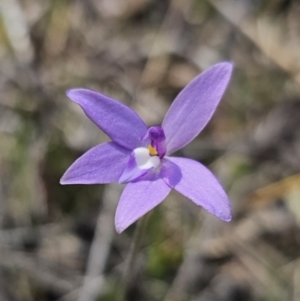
(144, 160)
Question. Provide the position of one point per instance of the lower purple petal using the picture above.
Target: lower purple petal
(199, 185)
(103, 163)
(137, 199)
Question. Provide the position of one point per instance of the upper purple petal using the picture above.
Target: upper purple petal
(194, 106)
(103, 163)
(118, 121)
(199, 185)
(139, 198)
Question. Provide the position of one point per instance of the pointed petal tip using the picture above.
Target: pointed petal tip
(224, 215)
(227, 66)
(77, 94)
(65, 181)
(120, 224)
(62, 181)
(226, 218)
(71, 93)
(119, 229)
(229, 219)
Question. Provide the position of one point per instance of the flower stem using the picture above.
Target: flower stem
(129, 269)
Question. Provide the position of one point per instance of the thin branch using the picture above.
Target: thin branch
(93, 280)
(130, 264)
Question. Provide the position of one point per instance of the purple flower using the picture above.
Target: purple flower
(140, 156)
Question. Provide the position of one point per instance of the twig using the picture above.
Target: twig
(17, 30)
(130, 263)
(100, 247)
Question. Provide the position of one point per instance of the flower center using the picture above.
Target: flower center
(139, 163)
(157, 146)
(152, 151)
(144, 159)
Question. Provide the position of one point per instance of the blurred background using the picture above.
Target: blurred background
(58, 243)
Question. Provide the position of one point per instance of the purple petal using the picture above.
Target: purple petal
(194, 106)
(199, 185)
(137, 199)
(118, 121)
(103, 163)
